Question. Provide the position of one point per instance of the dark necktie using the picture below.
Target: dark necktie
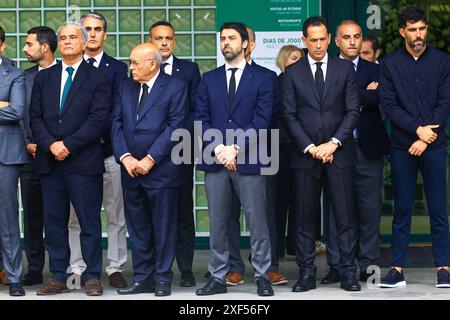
(143, 98)
(91, 61)
(163, 67)
(66, 89)
(232, 87)
(320, 83)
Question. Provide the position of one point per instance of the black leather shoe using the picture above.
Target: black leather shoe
(349, 282)
(363, 276)
(332, 276)
(263, 287)
(305, 282)
(187, 280)
(31, 279)
(138, 287)
(16, 290)
(213, 286)
(207, 275)
(162, 289)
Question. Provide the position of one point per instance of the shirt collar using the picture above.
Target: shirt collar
(51, 65)
(169, 60)
(240, 65)
(75, 66)
(354, 61)
(313, 62)
(1, 60)
(151, 82)
(97, 58)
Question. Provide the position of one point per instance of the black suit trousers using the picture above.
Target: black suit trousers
(308, 185)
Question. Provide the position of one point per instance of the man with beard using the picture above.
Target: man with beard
(40, 46)
(239, 98)
(415, 95)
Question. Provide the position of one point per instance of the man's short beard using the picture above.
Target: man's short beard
(416, 47)
(231, 56)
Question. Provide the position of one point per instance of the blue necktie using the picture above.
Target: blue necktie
(66, 88)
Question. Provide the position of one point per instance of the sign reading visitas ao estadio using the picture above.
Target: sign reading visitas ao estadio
(276, 23)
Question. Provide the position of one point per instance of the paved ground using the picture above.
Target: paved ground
(420, 286)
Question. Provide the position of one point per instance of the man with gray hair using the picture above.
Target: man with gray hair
(147, 109)
(95, 25)
(69, 105)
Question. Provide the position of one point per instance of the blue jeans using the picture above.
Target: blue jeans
(432, 166)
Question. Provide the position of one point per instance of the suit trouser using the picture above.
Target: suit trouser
(433, 167)
(368, 187)
(59, 190)
(251, 190)
(9, 225)
(30, 188)
(308, 185)
(151, 216)
(284, 203)
(186, 226)
(115, 217)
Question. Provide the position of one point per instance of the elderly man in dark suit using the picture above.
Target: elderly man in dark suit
(40, 46)
(321, 109)
(69, 106)
(162, 35)
(372, 143)
(147, 110)
(12, 156)
(239, 98)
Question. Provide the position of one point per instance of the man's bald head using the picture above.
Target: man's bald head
(145, 60)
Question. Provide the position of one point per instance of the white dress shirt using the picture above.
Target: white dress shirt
(97, 58)
(51, 65)
(169, 67)
(65, 75)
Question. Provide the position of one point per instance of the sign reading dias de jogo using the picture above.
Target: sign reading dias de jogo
(276, 23)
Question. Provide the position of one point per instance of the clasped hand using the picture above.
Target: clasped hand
(227, 157)
(324, 152)
(136, 167)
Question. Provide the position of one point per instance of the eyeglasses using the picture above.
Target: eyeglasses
(137, 64)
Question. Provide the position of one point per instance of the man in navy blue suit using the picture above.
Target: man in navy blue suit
(96, 26)
(372, 143)
(40, 47)
(69, 106)
(147, 110)
(321, 110)
(239, 98)
(162, 35)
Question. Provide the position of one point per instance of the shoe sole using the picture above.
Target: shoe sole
(53, 293)
(279, 283)
(444, 285)
(397, 285)
(233, 284)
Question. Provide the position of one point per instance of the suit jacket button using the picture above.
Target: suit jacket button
(230, 121)
(59, 121)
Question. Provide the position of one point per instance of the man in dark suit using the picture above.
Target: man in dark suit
(147, 110)
(237, 265)
(3, 48)
(321, 109)
(96, 25)
(372, 143)
(240, 99)
(69, 106)
(162, 35)
(40, 46)
(12, 156)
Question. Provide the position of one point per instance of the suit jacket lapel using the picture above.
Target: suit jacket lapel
(4, 71)
(104, 63)
(134, 100)
(246, 79)
(55, 79)
(76, 84)
(307, 74)
(331, 71)
(223, 87)
(155, 92)
(175, 67)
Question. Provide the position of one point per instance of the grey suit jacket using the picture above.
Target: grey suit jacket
(12, 142)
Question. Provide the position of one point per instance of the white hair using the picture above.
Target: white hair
(84, 33)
